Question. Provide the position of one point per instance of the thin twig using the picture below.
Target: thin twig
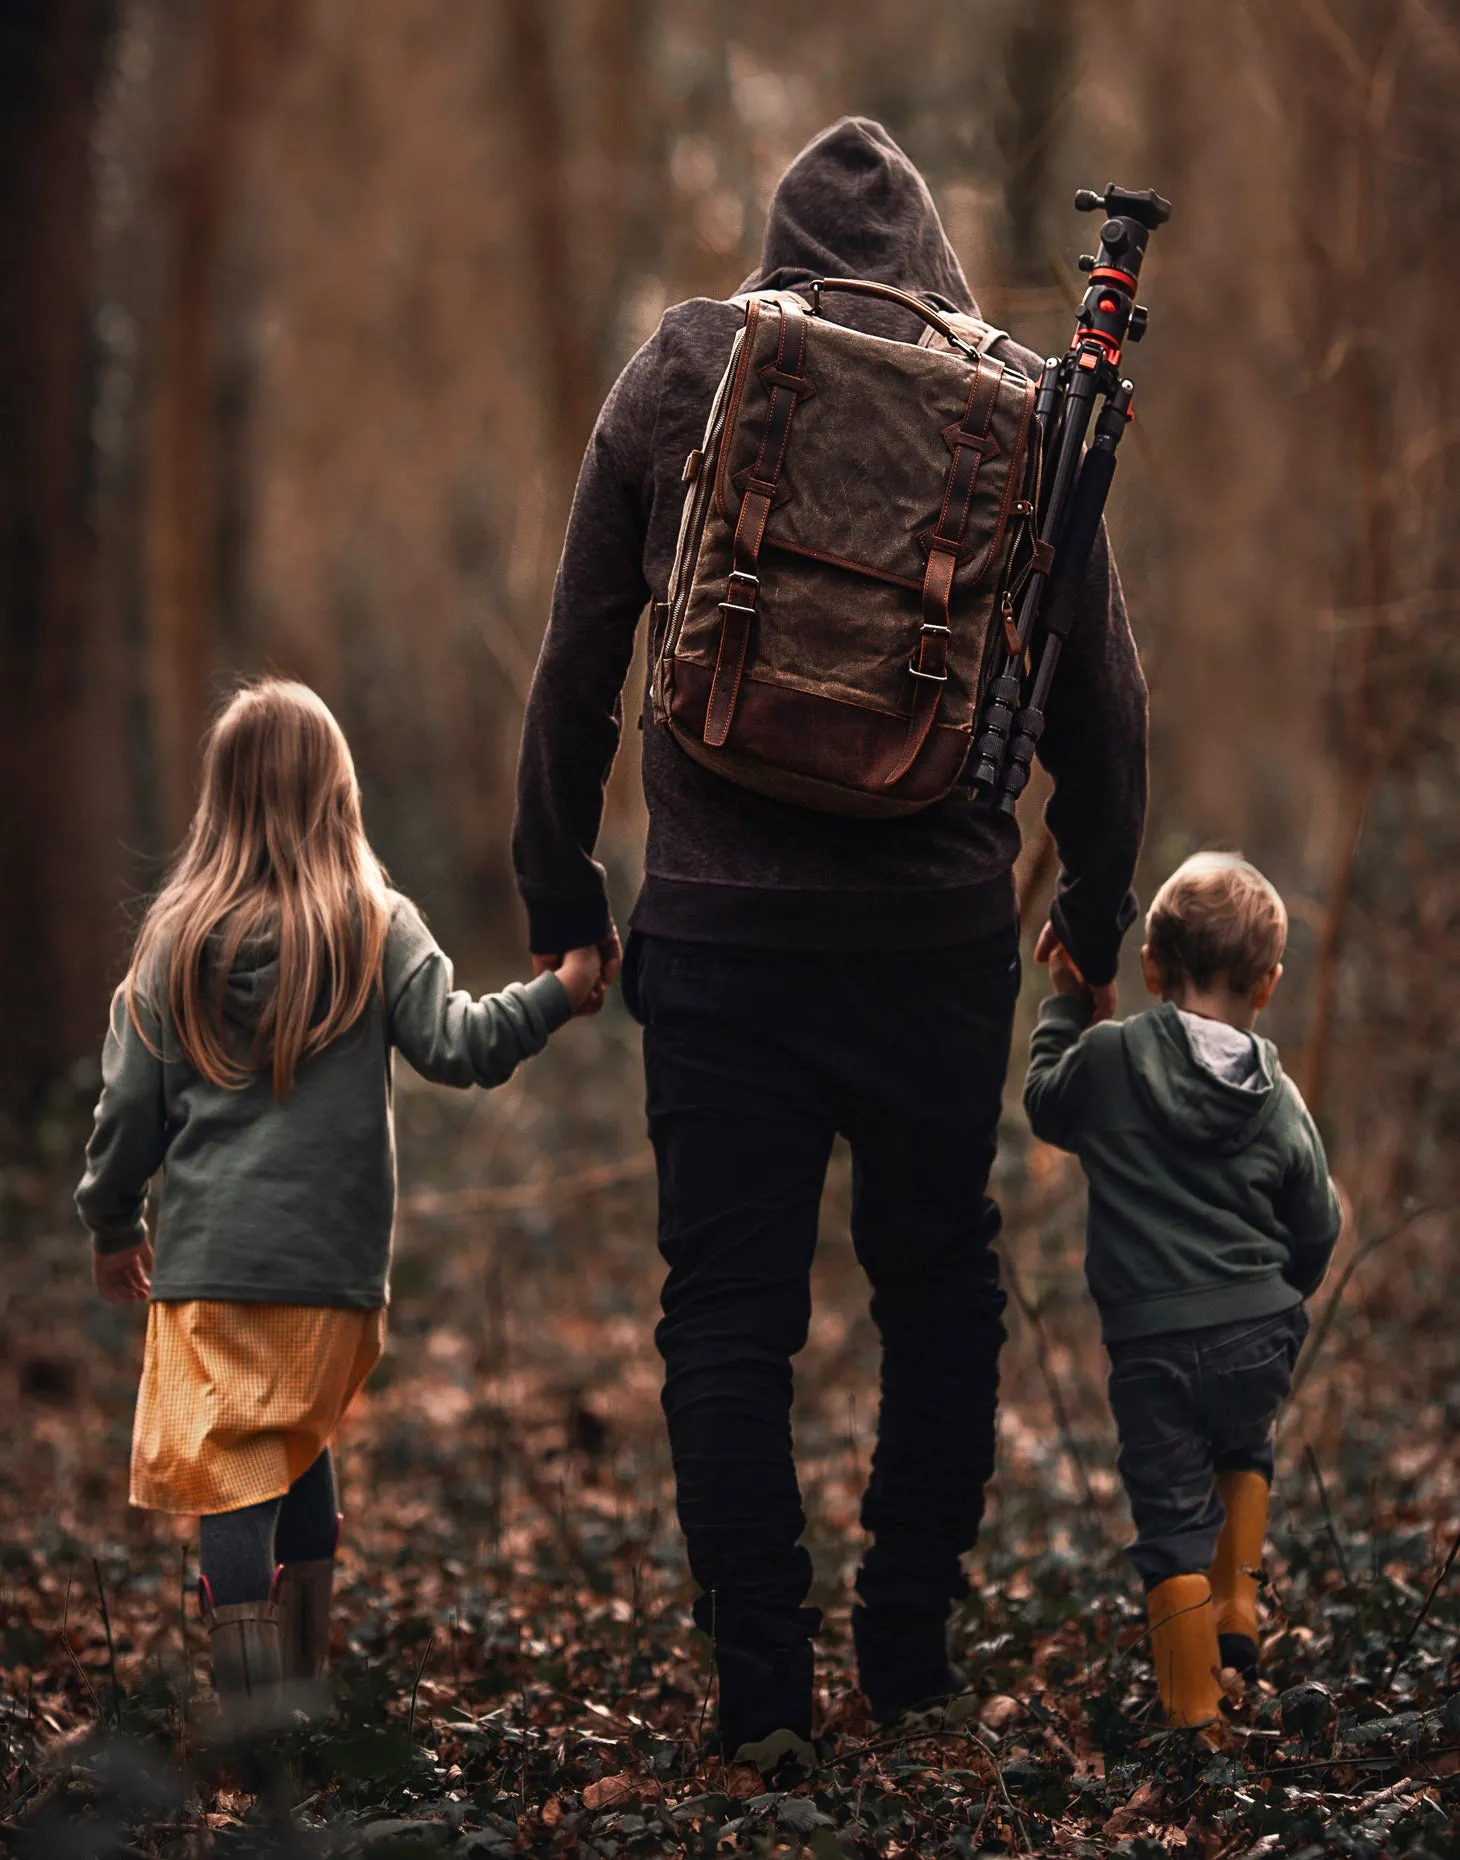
(1424, 1609)
(185, 1678)
(425, 1655)
(1279, 1770)
(993, 1756)
(1319, 1335)
(106, 1622)
(1313, 1467)
(1056, 1396)
(81, 1671)
(1378, 1799)
(532, 1194)
(983, 1815)
(710, 1682)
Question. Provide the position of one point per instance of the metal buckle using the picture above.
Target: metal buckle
(744, 574)
(934, 678)
(735, 607)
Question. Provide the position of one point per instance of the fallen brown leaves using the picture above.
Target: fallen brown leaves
(509, 1504)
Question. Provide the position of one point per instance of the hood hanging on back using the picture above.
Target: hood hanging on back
(852, 205)
(1186, 1097)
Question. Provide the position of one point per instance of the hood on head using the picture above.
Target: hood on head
(852, 205)
(1186, 1096)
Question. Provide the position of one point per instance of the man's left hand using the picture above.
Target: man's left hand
(1102, 1001)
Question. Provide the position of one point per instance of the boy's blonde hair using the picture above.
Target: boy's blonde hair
(1216, 918)
(276, 852)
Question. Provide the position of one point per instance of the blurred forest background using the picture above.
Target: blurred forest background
(306, 310)
(309, 307)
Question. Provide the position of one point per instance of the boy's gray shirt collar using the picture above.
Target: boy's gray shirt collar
(1229, 1052)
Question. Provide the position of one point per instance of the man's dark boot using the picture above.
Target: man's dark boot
(765, 1691)
(902, 1659)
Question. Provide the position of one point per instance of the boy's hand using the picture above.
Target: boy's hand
(124, 1278)
(581, 973)
(1066, 979)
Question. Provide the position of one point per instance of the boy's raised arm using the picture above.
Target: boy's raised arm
(1054, 1087)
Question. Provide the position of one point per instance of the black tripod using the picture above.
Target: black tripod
(1075, 483)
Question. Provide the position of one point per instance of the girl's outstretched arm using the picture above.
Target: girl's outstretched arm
(129, 1138)
(448, 1036)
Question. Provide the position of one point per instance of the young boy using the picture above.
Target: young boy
(1212, 1218)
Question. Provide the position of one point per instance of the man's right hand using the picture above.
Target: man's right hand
(610, 955)
(1102, 1000)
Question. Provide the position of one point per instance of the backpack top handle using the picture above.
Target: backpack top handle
(867, 287)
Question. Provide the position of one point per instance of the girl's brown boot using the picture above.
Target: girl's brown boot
(247, 1662)
(1238, 1566)
(1184, 1649)
(305, 1591)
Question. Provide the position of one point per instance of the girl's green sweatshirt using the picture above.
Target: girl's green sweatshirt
(291, 1202)
(1210, 1202)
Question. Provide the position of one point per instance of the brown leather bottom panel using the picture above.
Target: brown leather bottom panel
(815, 751)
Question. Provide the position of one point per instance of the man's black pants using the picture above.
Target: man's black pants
(755, 1060)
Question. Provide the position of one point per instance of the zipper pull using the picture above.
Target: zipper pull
(1011, 631)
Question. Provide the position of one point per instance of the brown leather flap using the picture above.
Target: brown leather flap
(865, 474)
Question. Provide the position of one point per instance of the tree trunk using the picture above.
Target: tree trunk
(65, 815)
(561, 323)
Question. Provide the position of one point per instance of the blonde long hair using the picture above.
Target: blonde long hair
(276, 852)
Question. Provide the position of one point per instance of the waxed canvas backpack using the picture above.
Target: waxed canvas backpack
(843, 573)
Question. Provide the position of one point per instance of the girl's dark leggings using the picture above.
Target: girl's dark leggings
(239, 1550)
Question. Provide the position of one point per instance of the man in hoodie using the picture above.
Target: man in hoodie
(800, 975)
(1212, 1218)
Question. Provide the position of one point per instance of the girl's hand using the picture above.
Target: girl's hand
(581, 973)
(123, 1278)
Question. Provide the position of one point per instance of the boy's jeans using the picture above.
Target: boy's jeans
(1187, 1406)
(756, 1059)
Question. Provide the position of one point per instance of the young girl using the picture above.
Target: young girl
(249, 1059)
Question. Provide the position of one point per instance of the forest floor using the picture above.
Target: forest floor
(514, 1665)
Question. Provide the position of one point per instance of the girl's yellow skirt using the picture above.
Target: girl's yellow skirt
(238, 1400)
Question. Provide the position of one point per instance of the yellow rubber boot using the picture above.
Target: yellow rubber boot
(1184, 1649)
(1236, 1570)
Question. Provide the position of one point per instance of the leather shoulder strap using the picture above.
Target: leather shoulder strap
(785, 384)
(973, 329)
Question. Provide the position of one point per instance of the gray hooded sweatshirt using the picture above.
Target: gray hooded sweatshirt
(1210, 1201)
(727, 866)
(289, 1202)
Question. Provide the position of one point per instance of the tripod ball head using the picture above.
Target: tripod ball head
(1146, 207)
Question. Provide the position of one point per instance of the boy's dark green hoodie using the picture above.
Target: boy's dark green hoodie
(1210, 1202)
